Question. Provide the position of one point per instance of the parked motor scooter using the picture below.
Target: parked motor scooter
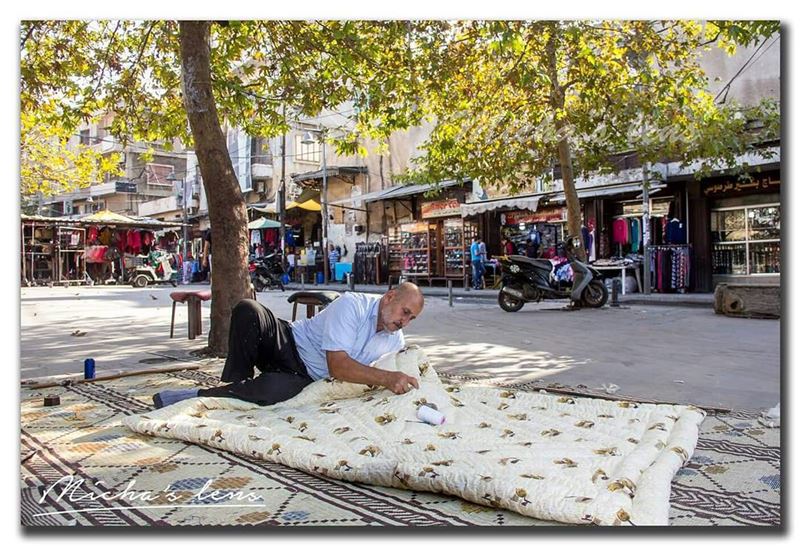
(527, 280)
(266, 272)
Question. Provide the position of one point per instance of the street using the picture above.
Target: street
(671, 354)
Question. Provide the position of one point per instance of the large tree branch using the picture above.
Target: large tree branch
(108, 56)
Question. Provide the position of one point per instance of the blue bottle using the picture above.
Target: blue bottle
(88, 368)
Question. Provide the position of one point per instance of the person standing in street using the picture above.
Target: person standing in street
(507, 246)
(206, 254)
(477, 262)
(333, 258)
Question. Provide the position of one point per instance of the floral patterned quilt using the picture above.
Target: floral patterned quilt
(560, 458)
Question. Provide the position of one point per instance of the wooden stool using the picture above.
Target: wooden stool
(312, 300)
(193, 300)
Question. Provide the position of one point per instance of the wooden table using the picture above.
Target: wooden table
(623, 269)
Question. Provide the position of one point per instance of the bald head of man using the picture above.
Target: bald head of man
(399, 306)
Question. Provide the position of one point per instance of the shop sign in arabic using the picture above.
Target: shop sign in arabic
(437, 209)
(542, 216)
(741, 186)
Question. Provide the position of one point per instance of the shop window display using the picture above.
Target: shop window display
(746, 240)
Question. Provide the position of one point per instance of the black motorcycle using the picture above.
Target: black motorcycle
(531, 280)
(266, 272)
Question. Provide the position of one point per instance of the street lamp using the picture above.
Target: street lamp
(308, 138)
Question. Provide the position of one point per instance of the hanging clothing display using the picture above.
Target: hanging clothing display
(592, 249)
(603, 247)
(670, 268)
(676, 232)
(585, 238)
(636, 234)
(255, 237)
(370, 263)
(620, 231)
(271, 236)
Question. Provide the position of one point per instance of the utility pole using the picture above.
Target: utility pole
(186, 197)
(324, 210)
(282, 198)
(646, 226)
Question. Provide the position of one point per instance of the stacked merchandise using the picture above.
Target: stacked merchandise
(395, 247)
(415, 252)
(455, 258)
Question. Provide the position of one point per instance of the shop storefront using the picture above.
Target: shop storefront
(437, 246)
(535, 234)
(104, 247)
(745, 225)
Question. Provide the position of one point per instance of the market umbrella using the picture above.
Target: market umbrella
(310, 204)
(110, 217)
(263, 223)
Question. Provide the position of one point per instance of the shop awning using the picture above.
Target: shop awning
(109, 220)
(310, 204)
(263, 223)
(332, 171)
(398, 192)
(527, 202)
(108, 216)
(268, 208)
(603, 191)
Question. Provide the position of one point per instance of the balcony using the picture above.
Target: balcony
(165, 205)
(260, 171)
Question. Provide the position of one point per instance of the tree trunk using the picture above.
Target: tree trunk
(564, 150)
(226, 206)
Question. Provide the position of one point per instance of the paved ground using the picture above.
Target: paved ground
(677, 354)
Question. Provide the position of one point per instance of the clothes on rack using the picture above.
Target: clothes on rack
(676, 232)
(670, 268)
(369, 263)
(620, 231)
(603, 246)
(636, 234)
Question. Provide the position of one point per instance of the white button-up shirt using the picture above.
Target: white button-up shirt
(348, 324)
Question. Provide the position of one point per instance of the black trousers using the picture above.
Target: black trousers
(260, 341)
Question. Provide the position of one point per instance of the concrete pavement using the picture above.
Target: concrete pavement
(676, 354)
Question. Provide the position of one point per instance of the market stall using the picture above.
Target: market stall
(103, 247)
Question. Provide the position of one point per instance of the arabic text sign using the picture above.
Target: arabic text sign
(733, 187)
(557, 214)
(438, 209)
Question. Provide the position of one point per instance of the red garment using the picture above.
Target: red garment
(92, 235)
(134, 242)
(620, 231)
(270, 237)
(121, 238)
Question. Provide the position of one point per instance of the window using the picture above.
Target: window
(85, 138)
(308, 152)
(238, 146)
(746, 240)
(157, 174)
(260, 152)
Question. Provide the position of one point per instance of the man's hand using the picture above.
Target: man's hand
(341, 366)
(400, 383)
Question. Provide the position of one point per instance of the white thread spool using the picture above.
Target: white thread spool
(427, 414)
